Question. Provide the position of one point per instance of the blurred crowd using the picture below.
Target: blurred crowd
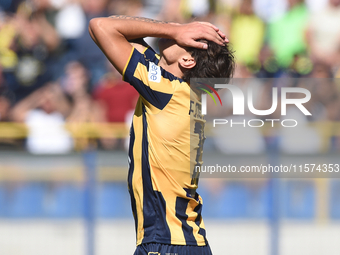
(52, 73)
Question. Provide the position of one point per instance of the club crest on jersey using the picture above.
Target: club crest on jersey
(154, 72)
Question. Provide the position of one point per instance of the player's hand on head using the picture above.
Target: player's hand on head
(220, 33)
(188, 34)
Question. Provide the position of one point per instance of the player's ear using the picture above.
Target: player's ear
(187, 61)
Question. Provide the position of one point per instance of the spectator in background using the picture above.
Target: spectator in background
(5, 101)
(323, 34)
(118, 99)
(9, 5)
(125, 7)
(86, 50)
(4, 107)
(326, 93)
(172, 11)
(35, 43)
(48, 12)
(8, 57)
(151, 8)
(76, 84)
(322, 71)
(268, 65)
(287, 34)
(270, 10)
(70, 24)
(227, 6)
(198, 8)
(70, 19)
(247, 34)
(44, 113)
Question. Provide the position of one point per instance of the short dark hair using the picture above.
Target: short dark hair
(215, 62)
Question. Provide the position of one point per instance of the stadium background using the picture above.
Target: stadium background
(64, 115)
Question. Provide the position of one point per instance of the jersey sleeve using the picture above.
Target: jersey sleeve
(149, 79)
(151, 55)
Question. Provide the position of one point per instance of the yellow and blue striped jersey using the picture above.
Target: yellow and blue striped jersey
(165, 134)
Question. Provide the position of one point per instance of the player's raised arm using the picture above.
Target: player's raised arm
(113, 34)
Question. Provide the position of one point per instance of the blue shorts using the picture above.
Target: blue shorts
(168, 249)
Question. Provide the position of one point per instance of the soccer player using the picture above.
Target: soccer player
(166, 135)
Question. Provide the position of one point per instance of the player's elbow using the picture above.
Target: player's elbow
(100, 28)
(94, 26)
(95, 23)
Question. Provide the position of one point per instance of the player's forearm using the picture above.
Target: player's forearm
(137, 27)
(124, 17)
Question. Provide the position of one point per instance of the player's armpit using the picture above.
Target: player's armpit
(139, 44)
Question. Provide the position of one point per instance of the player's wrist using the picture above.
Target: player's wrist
(173, 31)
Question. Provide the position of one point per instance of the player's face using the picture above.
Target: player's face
(170, 50)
